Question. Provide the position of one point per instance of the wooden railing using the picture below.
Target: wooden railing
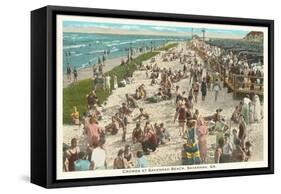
(235, 82)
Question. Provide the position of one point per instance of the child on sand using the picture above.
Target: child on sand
(75, 116)
(141, 160)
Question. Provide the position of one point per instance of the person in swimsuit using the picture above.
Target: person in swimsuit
(141, 115)
(204, 89)
(219, 150)
(120, 162)
(137, 134)
(72, 155)
(92, 99)
(131, 102)
(128, 155)
(196, 91)
(208, 81)
(248, 151)
(202, 133)
(113, 127)
(242, 131)
(82, 163)
(124, 112)
(181, 116)
(177, 94)
(93, 131)
(75, 116)
(238, 154)
(75, 75)
(68, 72)
(149, 142)
(141, 160)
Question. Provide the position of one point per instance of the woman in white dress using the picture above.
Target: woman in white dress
(251, 112)
(258, 110)
(115, 82)
(107, 83)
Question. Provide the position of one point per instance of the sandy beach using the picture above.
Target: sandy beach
(170, 153)
(87, 72)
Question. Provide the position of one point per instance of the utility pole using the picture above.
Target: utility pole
(203, 31)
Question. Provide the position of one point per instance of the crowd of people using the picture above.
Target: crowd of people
(232, 142)
(248, 69)
(72, 74)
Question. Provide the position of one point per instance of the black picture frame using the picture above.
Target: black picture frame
(43, 95)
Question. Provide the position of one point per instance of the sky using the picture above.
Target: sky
(79, 26)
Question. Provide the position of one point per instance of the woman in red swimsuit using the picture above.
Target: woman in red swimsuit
(181, 116)
(72, 155)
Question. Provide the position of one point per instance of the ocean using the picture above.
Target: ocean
(81, 49)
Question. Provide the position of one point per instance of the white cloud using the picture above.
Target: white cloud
(160, 28)
(130, 27)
